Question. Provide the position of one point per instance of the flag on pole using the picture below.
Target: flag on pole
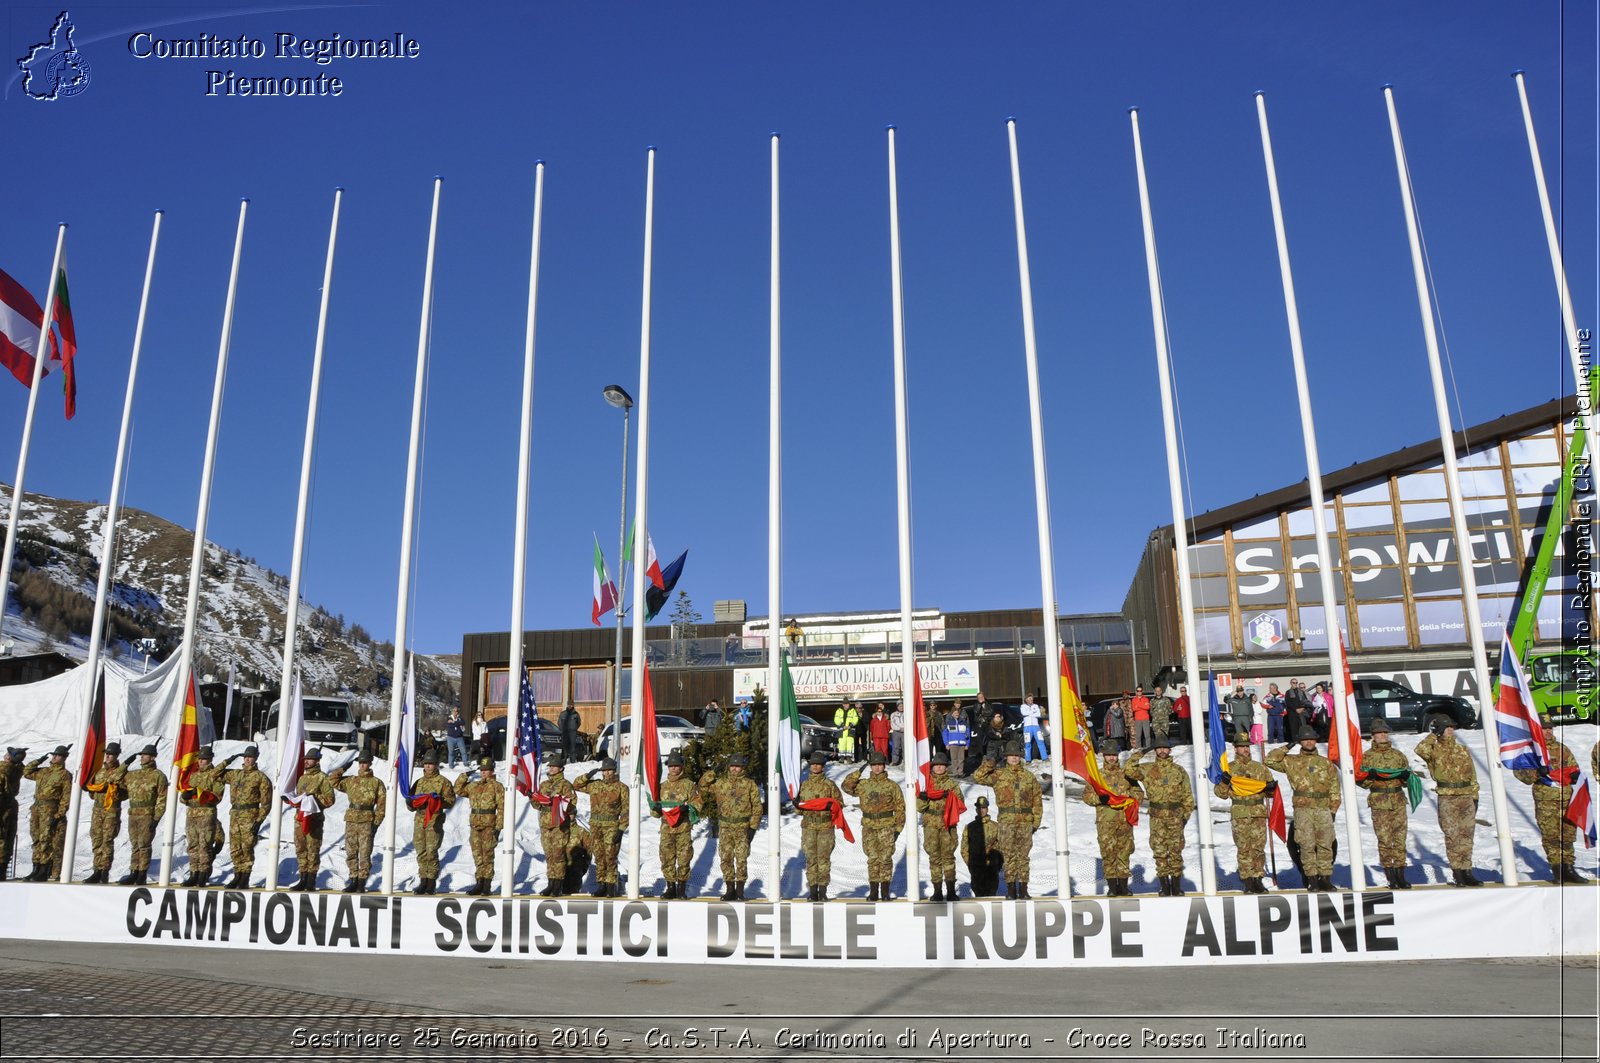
(1581, 810)
(184, 754)
(652, 564)
(647, 744)
(655, 598)
(1077, 745)
(1352, 719)
(406, 747)
(94, 738)
(292, 737)
(64, 338)
(1522, 745)
(786, 757)
(525, 769)
(605, 592)
(1276, 819)
(21, 317)
(919, 758)
(1214, 735)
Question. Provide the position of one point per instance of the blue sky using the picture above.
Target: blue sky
(587, 87)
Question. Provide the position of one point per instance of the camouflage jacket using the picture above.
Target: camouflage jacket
(11, 781)
(1385, 793)
(205, 789)
(736, 799)
(882, 803)
(1544, 794)
(367, 795)
(932, 808)
(1246, 807)
(1117, 783)
(1313, 779)
(1450, 764)
(147, 791)
(1166, 784)
(679, 791)
(52, 787)
(1016, 792)
(437, 785)
(250, 790)
(315, 783)
(108, 789)
(609, 802)
(487, 797)
(552, 787)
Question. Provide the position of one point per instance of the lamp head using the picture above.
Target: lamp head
(617, 396)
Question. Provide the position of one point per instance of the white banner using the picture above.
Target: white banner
(880, 679)
(1530, 921)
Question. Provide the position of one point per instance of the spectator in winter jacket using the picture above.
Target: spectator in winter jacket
(1115, 728)
(897, 730)
(1297, 708)
(568, 722)
(1181, 710)
(1276, 711)
(1143, 734)
(455, 737)
(957, 736)
(878, 730)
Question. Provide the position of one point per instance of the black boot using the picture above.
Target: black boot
(883, 891)
(351, 887)
(949, 889)
(486, 887)
(599, 890)
(938, 892)
(420, 889)
(475, 889)
(361, 884)
(742, 885)
(1022, 891)
(822, 894)
(1166, 889)
(1177, 885)
(1011, 890)
(132, 878)
(549, 889)
(729, 892)
(1569, 873)
(1400, 882)
(683, 891)
(671, 892)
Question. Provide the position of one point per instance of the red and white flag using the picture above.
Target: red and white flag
(21, 318)
(1352, 720)
(605, 592)
(921, 758)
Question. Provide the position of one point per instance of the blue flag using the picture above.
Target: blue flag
(405, 748)
(1214, 734)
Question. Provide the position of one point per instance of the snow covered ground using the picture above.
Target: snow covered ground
(849, 864)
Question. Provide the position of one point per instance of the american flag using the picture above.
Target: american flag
(526, 768)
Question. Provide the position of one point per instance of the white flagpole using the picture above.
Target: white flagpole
(39, 355)
(291, 619)
(774, 552)
(519, 556)
(1319, 517)
(402, 611)
(191, 611)
(108, 541)
(641, 523)
(1458, 517)
(1041, 497)
(1200, 756)
(902, 464)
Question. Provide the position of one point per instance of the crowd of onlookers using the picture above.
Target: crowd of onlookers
(968, 731)
(1134, 720)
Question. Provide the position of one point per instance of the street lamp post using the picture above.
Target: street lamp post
(617, 396)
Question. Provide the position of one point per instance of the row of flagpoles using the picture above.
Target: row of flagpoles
(402, 707)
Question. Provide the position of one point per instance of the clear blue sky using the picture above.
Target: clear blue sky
(588, 86)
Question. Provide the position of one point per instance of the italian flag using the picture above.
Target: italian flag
(647, 744)
(786, 757)
(605, 592)
(652, 564)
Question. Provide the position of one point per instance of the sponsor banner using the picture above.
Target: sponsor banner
(1529, 921)
(880, 679)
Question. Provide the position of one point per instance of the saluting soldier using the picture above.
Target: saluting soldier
(979, 851)
(940, 810)
(883, 817)
(431, 797)
(487, 797)
(1171, 804)
(1112, 827)
(610, 808)
(821, 808)
(250, 797)
(678, 810)
(556, 796)
(739, 809)
(1387, 780)
(1017, 794)
(201, 828)
(368, 799)
(1552, 792)
(147, 803)
(1450, 764)
(105, 822)
(52, 789)
(316, 794)
(10, 783)
(1246, 784)
(1314, 784)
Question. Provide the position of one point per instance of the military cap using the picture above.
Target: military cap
(607, 764)
(1306, 733)
(557, 762)
(982, 802)
(251, 751)
(59, 751)
(16, 753)
(205, 754)
(312, 754)
(941, 757)
(1241, 738)
(1163, 742)
(486, 762)
(736, 761)
(364, 757)
(114, 749)
(430, 757)
(675, 759)
(1380, 724)
(1013, 749)
(819, 757)
(148, 751)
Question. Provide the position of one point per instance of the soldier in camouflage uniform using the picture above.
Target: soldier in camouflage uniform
(1552, 792)
(368, 799)
(1021, 804)
(431, 797)
(1247, 784)
(678, 810)
(938, 838)
(1111, 825)
(738, 810)
(487, 796)
(883, 817)
(819, 801)
(555, 796)
(979, 851)
(10, 783)
(1386, 771)
(1450, 764)
(201, 828)
(105, 822)
(147, 803)
(610, 810)
(1160, 712)
(308, 824)
(1171, 804)
(250, 798)
(1314, 784)
(52, 789)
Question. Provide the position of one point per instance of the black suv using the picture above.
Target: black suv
(1401, 707)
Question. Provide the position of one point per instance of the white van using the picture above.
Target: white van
(329, 724)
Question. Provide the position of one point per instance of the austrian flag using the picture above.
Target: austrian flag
(21, 318)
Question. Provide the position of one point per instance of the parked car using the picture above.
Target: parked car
(494, 736)
(1403, 707)
(329, 724)
(672, 732)
(818, 738)
(1562, 685)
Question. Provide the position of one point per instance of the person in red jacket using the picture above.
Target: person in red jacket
(878, 728)
(1181, 709)
(1143, 735)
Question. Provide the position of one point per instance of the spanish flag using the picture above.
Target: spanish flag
(1077, 745)
(184, 753)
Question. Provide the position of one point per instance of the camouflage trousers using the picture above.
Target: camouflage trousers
(940, 841)
(242, 827)
(605, 844)
(1161, 722)
(308, 844)
(1458, 818)
(733, 850)
(1313, 832)
(1555, 831)
(1115, 834)
(8, 834)
(104, 826)
(1166, 841)
(1250, 839)
(49, 833)
(141, 836)
(425, 839)
(359, 830)
(482, 841)
(817, 844)
(556, 841)
(878, 844)
(1391, 825)
(203, 832)
(1014, 839)
(677, 853)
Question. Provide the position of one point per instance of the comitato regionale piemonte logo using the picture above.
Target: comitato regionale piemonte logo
(54, 69)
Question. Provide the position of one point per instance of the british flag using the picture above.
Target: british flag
(1581, 811)
(525, 770)
(1521, 738)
